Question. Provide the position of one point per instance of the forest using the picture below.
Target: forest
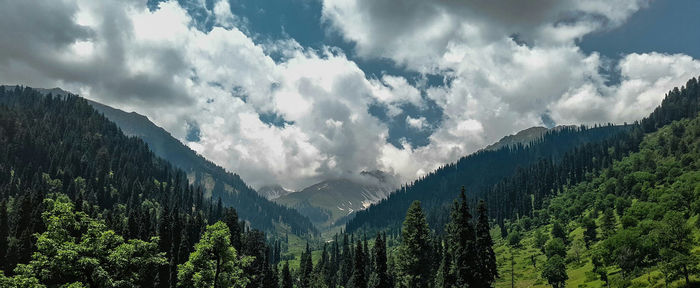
(83, 205)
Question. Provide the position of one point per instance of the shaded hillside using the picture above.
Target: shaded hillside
(477, 172)
(83, 205)
(215, 181)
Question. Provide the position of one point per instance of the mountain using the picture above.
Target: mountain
(271, 192)
(84, 205)
(524, 137)
(215, 181)
(331, 200)
(635, 217)
(478, 173)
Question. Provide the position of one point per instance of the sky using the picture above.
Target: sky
(294, 92)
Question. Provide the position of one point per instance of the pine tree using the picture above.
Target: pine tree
(444, 278)
(231, 219)
(286, 277)
(380, 277)
(358, 279)
(608, 223)
(165, 245)
(589, 233)
(332, 270)
(346, 264)
(559, 232)
(462, 243)
(305, 267)
(487, 268)
(4, 229)
(413, 258)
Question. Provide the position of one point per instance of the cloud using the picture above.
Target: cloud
(161, 64)
(416, 123)
(206, 80)
(510, 64)
(415, 32)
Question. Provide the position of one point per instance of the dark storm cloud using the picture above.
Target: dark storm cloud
(39, 39)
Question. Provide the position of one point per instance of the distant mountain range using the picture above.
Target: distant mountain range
(329, 201)
(215, 180)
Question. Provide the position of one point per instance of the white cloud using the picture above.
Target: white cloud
(499, 85)
(161, 64)
(419, 123)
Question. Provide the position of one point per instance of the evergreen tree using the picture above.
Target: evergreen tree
(462, 243)
(346, 264)
(231, 219)
(487, 271)
(4, 229)
(558, 231)
(286, 277)
(589, 231)
(599, 268)
(444, 278)
(358, 279)
(413, 258)
(380, 274)
(305, 268)
(607, 224)
(165, 245)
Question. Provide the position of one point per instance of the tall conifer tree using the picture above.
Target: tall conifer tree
(413, 258)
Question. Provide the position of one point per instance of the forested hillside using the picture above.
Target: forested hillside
(632, 224)
(214, 180)
(477, 173)
(82, 202)
(516, 180)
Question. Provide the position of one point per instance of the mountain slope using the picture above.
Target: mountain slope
(271, 192)
(216, 182)
(478, 172)
(642, 212)
(135, 218)
(328, 201)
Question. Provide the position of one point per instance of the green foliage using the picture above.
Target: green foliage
(674, 238)
(555, 246)
(286, 277)
(214, 262)
(514, 239)
(487, 269)
(358, 279)
(540, 240)
(380, 275)
(554, 271)
(413, 258)
(559, 231)
(590, 235)
(463, 245)
(75, 246)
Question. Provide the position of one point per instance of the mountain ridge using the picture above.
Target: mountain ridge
(216, 181)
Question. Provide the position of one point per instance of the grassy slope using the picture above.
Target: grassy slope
(580, 275)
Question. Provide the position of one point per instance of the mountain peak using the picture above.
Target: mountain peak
(275, 191)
